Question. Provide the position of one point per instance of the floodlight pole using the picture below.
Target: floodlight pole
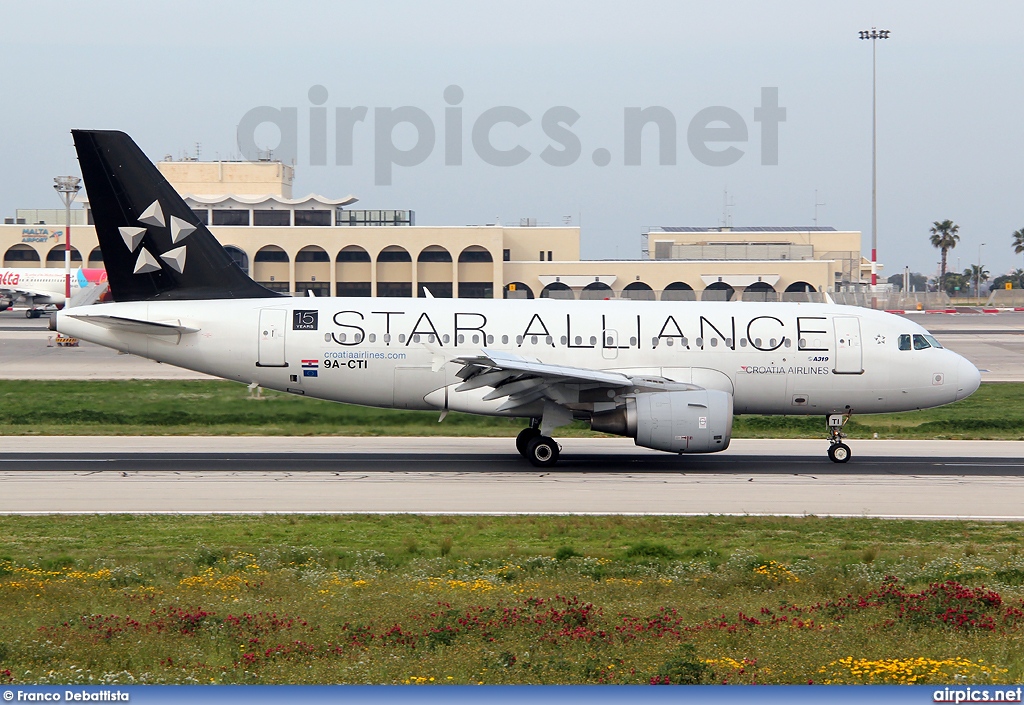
(874, 35)
(977, 275)
(67, 187)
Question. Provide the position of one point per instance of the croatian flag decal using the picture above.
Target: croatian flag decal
(310, 367)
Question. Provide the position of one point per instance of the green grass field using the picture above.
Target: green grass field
(525, 599)
(225, 408)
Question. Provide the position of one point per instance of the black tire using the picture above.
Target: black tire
(524, 438)
(839, 453)
(542, 452)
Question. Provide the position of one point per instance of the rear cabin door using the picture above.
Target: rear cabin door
(849, 357)
(272, 327)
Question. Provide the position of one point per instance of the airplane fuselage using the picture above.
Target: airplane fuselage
(773, 358)
(45, 285)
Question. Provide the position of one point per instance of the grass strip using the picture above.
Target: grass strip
(149, 407)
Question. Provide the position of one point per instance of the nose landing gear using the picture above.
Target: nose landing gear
(838, 452)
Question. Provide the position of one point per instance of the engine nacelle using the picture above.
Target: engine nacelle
(692, 421)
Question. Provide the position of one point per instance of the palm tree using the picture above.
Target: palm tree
(944, 237)
(1018, 241)
(976, 273)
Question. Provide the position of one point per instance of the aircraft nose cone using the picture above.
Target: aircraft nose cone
(968, 379)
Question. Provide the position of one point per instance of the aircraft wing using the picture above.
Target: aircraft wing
(494, 360)
(18, 292)
(525, 380)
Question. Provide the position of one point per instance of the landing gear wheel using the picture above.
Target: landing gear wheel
(839, 453)
(524, 438)
(542, 452)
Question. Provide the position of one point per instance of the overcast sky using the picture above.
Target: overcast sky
(950, 107)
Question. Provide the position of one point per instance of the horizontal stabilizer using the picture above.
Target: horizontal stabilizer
(133, 325)
(89, 295)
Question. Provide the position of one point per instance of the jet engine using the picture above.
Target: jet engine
(691, 421)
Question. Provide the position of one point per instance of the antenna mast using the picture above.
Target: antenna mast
(816, 204)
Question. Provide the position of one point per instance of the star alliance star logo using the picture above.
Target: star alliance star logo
(880, 339)
(154, 217)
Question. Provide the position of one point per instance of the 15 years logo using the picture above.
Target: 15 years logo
(304, 320)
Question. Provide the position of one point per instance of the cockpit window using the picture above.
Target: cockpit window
(920, 342)
(904, 342)
(933, 341)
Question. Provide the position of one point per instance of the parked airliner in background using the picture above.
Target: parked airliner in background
(668, 374)
(43, 287)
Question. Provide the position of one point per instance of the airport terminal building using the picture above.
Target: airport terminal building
(324, 246)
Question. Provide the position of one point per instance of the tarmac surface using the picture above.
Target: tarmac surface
(993, 342)
(898, 479)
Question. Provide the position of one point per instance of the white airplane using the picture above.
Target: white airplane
(668, 374)
(40, 288)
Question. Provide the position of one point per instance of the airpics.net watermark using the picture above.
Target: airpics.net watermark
(711, 134)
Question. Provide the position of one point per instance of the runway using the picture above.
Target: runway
(904, 479)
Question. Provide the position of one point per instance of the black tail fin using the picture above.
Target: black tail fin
(153, 246)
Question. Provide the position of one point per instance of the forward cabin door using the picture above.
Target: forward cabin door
(849, 356)
(273, 322)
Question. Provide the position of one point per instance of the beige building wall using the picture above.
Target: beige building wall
(524, 246)
(841, 247)
(229, 178)
(659, 275)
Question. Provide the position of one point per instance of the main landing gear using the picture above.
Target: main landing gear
(541, 451)
(838, 452)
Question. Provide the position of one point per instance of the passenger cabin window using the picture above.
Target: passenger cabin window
(920, 343)
(904, 342)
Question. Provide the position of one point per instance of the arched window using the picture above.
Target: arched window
(352, 270)
(271, 253)
(394, 253)
(270, 268)
(760, 291)
(434, 253)
(475, 253)
(475, 273)
(638, 291)
(518, 290)
(353, 253)
(55, 257)
(20, 256)
(678, 291)
(312, 253)
(394, 272)
(717, 291)
(238, 256)
(557, 290)
(801, 292)
(596, 291)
